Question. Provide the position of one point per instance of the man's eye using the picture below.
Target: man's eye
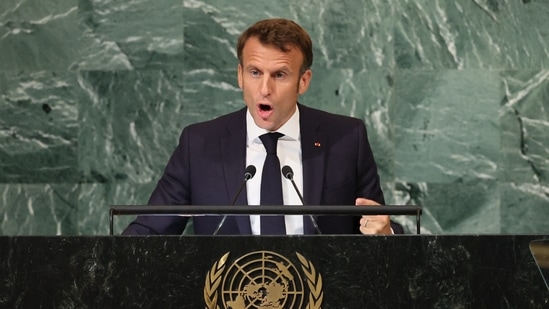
(280, 75)
(254, 73)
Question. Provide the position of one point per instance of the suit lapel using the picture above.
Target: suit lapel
(233, 146)
(313, 143)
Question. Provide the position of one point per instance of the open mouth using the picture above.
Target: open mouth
(264, 111)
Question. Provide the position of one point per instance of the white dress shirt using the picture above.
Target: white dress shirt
(289, 153)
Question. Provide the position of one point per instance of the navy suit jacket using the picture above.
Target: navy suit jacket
(207, 168)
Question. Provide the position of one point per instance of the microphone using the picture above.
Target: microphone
(288, 173)
(249, 173)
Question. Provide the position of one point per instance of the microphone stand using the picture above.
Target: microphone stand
(289, 174)
(249, 174)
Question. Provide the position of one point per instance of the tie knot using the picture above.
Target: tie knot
(270, 140)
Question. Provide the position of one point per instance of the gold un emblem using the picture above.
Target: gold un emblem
(263, 280)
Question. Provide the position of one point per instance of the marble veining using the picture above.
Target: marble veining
(94, 94)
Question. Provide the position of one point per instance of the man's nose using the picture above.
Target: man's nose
(266, 85)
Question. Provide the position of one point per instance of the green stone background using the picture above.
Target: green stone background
(455, 95)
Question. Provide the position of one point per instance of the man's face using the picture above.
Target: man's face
(270, 83)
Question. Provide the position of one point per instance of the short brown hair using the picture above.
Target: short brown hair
(282, 34)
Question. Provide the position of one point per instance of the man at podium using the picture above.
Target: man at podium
(325, 156)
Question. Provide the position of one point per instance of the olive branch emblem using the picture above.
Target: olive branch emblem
(314, 282)
(213, 279)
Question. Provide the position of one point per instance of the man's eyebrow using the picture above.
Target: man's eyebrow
(251, 66)
(283, 68)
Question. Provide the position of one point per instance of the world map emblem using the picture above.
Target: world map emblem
(263, 280)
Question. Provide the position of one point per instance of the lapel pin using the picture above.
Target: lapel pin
(317, 144)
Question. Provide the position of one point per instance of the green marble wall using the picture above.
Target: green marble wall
(455, 94)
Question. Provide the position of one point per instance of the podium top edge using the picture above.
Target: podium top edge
(264, 210)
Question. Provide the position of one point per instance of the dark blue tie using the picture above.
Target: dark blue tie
(271, 186)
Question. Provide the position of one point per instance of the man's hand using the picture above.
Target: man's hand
(373, 224)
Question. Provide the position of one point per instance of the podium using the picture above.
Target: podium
(327, 271)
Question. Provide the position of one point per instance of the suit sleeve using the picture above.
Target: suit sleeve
(172, 189)
(368, 184)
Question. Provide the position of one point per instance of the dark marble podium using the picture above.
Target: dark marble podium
(404, 271)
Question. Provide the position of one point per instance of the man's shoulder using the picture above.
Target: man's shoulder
(324, 117)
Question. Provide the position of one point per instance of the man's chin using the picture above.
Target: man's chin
(265, 124)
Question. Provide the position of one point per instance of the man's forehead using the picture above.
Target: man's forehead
(288, 49)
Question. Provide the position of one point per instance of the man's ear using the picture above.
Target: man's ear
(239, 73)
(305, 81)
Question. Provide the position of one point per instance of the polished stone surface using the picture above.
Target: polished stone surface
(491, 271)
(94, 93)
(540, 252)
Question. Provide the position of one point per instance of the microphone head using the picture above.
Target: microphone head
(250, 172)
(287, 172)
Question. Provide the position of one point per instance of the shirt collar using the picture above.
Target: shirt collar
(290, 129)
